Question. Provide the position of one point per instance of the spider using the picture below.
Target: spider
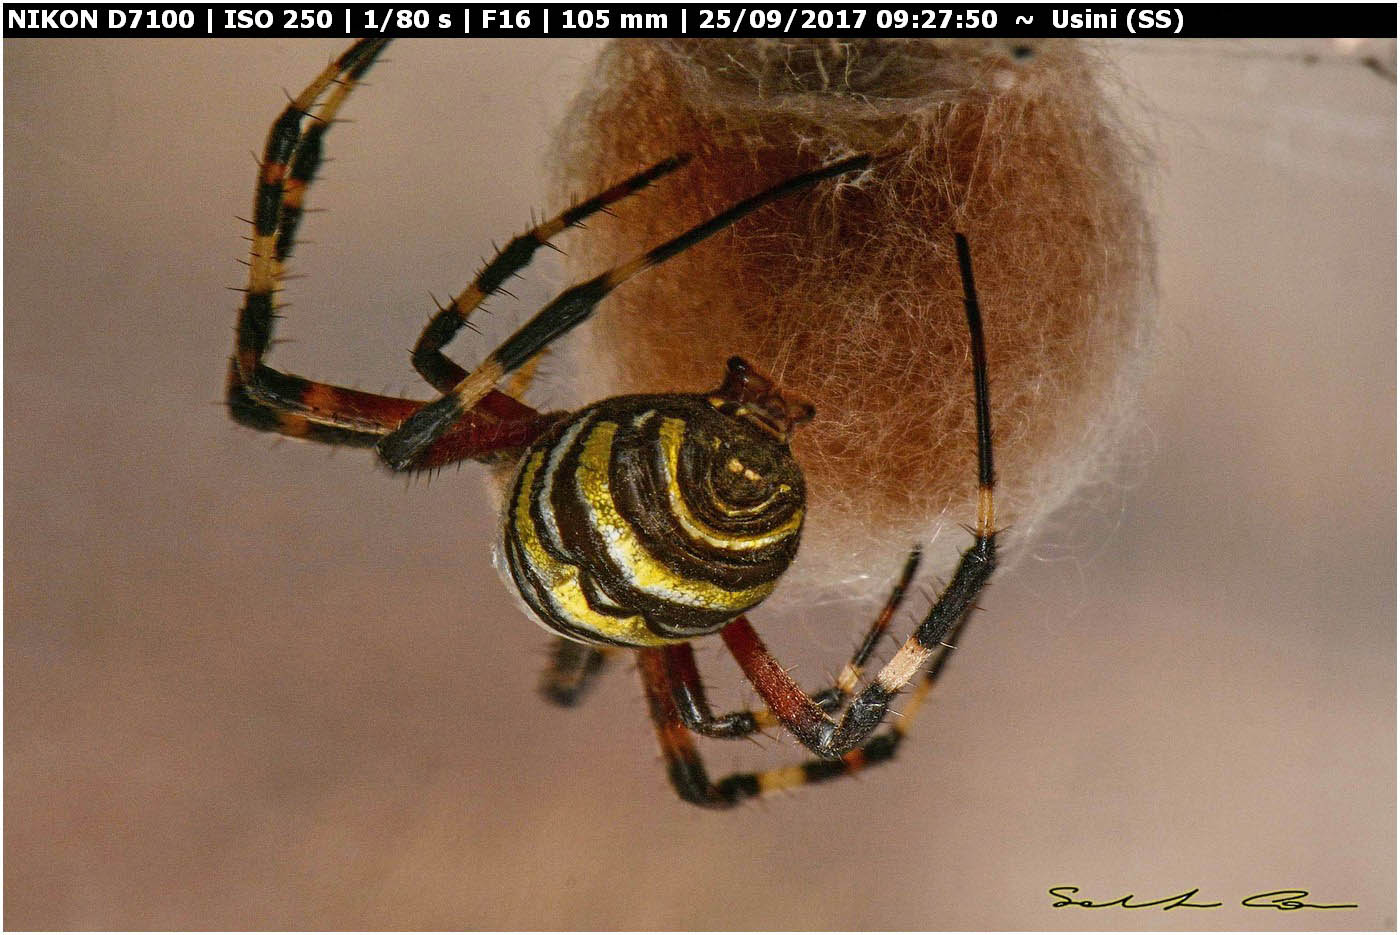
(642, 522)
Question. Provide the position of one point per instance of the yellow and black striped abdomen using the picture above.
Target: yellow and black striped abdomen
(645, 520)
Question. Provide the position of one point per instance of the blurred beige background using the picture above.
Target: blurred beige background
(256, 685)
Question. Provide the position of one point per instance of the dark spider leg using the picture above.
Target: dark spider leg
(300, 408)
(269, 400)
(786, 699)
(569, 309)
(428, 358)
(686, 769)
(572, 670)
(883, 747)
(880, 748)
(290, 159)
(695, 709)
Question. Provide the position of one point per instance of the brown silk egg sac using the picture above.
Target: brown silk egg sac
(849, 295)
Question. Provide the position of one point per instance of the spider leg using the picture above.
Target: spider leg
(695, 709)
(571, 671)
(269, 400)
(428, 359)
(686, 769)
(291, 405)
(808, 721)
(569, 309)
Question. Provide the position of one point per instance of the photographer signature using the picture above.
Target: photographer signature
(1283, 900)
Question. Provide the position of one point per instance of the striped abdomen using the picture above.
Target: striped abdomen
(645, 520)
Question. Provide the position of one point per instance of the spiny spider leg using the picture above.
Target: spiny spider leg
(569, 309)
(428, 358)
(686, 769)
(290, 160)
(807, 720)
(270, 400)
(695, 710)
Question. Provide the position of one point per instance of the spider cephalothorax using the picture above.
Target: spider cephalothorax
(639, 521)
(645, 520)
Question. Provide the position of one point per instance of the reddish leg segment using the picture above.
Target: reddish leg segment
(269, 400)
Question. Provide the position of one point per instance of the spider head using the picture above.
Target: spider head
(750, 395)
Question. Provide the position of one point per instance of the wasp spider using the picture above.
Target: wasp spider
(642, 522)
